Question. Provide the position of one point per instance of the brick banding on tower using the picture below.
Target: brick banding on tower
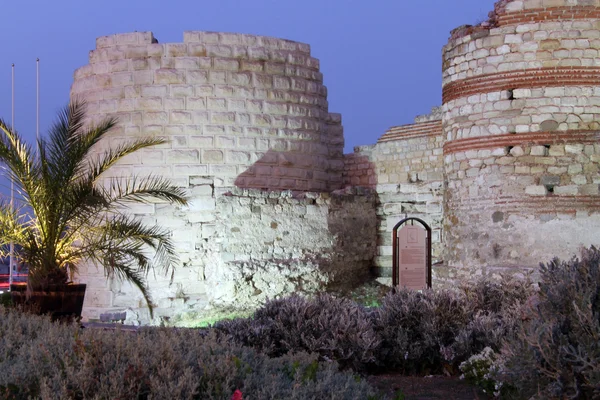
(530, 78)
(567, 13)
(530, 205)
(519, 139)
(521, 121)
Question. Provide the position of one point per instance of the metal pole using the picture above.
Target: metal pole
(37, 103)
(12, 197)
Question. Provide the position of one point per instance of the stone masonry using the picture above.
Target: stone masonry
(506, 171)
(405, 168)
(521, 120)
(250, 138)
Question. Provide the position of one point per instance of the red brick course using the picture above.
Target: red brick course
(548, 14)
(529, 205)
(529, 78)
(500, 18)
(432, 128)
(518, 139)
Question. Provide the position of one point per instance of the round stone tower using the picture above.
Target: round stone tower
(225, 101)
(248, 129)
(521, 122)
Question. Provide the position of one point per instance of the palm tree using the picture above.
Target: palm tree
(67, 215)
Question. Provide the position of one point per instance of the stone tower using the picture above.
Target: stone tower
(249, 134)
(521, 122)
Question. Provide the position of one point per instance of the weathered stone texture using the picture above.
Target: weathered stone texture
(405, 169)
(239, 112)
(245, 246)
(520, 119)
(271, 244)
(213, 87)
(506, 171)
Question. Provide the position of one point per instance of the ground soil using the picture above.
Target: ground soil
(425, 388)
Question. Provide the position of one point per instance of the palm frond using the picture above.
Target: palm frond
(18, 159)
(140, 189)
(71, 142)
(12, 227)
(98, 165)
(123, 267)
(124, 232)
(72, 217)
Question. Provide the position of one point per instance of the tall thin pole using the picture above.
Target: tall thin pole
(12, 196)
(37, 103)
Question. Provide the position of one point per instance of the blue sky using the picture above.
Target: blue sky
(381, 59)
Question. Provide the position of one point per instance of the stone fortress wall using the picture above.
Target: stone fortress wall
(405, 169)
(506, 171)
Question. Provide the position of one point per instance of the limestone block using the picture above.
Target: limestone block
(575, 169)
(550, 180)
(212, 156)
(181, 90)
(169, 76)
(224, 171)
(538, 151)
(579, 180)
(153, 157)
(574, 148)
(537, 190)
(589, 190)
(570, 190)
(204, 203)
(222, 117)
(183, 156)
(219, 51)
(98, 298)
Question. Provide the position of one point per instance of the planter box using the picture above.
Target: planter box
(60, 301)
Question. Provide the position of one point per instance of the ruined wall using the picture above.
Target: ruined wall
(240, 112)
(405, 168)
(520, 117)
(280, 243)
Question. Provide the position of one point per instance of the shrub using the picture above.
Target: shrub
(477, 371)
(434, 331)
(40, 359)
(336, 329)
(496, 295)
(411, 331)
(5, 299)
(557, 352)
(496, 309)
(418, 329)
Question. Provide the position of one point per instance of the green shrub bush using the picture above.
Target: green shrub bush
(336, 329)
(557, 352)
(495, 309)
(418, 329)
(414, 332)
(45, 360)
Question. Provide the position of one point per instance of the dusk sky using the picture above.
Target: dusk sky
(381, 59)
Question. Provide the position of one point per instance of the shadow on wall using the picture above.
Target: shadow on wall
(277, 170)
(359, 171)
(281, 237)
